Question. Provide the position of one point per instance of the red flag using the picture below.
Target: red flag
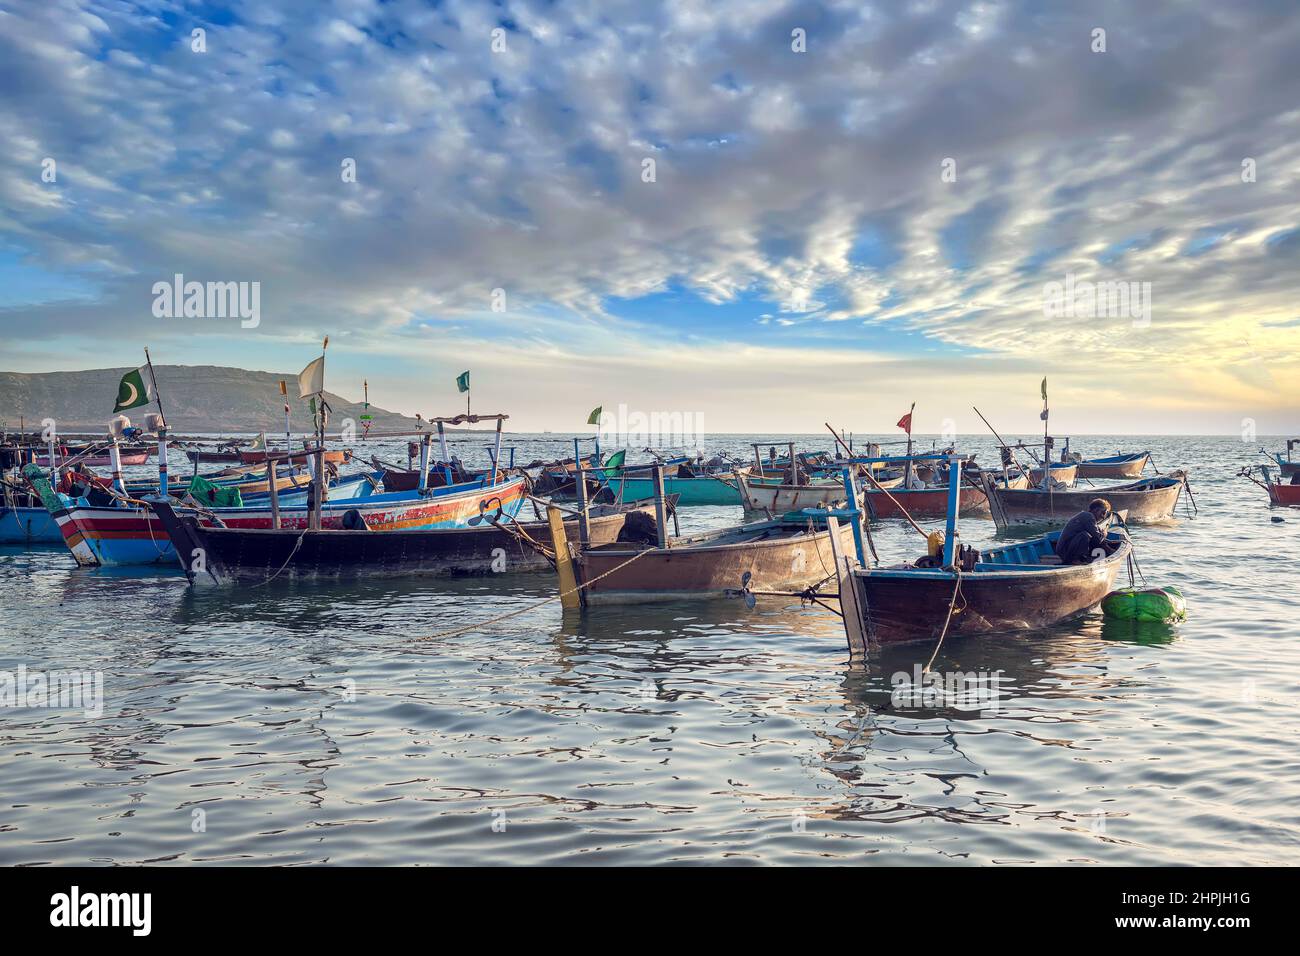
(905, 423)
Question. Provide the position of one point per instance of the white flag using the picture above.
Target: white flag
(311, 380)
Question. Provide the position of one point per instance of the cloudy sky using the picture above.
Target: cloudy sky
(850, 206)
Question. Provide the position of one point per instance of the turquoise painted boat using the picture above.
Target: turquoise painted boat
(700, 490)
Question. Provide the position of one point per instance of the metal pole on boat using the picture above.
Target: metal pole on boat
(313, 521)
(162, 458)
(496, 454)
(442, 450)
(425, 441)
(580, 486)
(54, 461)
(661, 515)
(274, 490)
(907, 470)
(115, 458)
(954, 506)
(851, 496)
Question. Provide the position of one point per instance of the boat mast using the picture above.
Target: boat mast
(162, 429)
(954, 507)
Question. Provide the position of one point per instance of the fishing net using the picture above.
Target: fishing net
(1166, 605)
(214, 495)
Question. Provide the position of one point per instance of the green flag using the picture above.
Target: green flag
(594, 417)
(1044, 388)
(132, 392)
(462, 382)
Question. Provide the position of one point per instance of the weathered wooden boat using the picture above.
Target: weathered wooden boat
(1287, 465)
(1280, 494)
(292, 489)
(767, 495)
(1008, 480)
(127, 531)
(1014, 588)
(213, 456)
(1150, 500)
(24, 519)
(28, 524)
(255, 456)
(1066, 472)
(1116, 466)
(558, 478)
(1284, 495)
(66, 457)
(921, 503)
(779, 554)
(404, 479)
(244, 555)
(964, 592)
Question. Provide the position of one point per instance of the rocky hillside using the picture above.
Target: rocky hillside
(197, 398)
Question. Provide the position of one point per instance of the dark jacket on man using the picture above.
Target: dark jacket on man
(1079, 538)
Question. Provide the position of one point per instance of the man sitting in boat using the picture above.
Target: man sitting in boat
(1083, 535)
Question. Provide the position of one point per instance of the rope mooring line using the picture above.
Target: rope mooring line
(956, 589)
(296, 545)
(477, 625)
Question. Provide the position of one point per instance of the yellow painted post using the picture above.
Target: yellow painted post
(570, 599)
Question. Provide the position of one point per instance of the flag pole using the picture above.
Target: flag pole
(907, 477)
(318, 456)
(157, 395)
(163, 487)
(1047, 452)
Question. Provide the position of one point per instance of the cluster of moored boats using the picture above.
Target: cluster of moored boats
(602, 523)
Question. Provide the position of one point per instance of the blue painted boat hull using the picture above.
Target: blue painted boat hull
(29, 526)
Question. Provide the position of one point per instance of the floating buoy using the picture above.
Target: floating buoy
(1158, 604)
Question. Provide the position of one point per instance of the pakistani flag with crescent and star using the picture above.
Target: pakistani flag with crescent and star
(133, 391)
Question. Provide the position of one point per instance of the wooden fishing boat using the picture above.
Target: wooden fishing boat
(690, 489)
(961, 591)
(1287, 496)
(130, 456)
(766, 495)
(557, 479)
(1152, 499)
(922, 503)
(255, 456)
(1066, 472)
(251, 485)
(199, 455)
(28, 524)
(1287, 465)
(1121, 465)
(1280, 494)
(1011, 589)
(243, 555)
(776, 554)
(1009, 480)
(129, 532)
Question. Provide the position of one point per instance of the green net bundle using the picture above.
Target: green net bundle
(1166, 605)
